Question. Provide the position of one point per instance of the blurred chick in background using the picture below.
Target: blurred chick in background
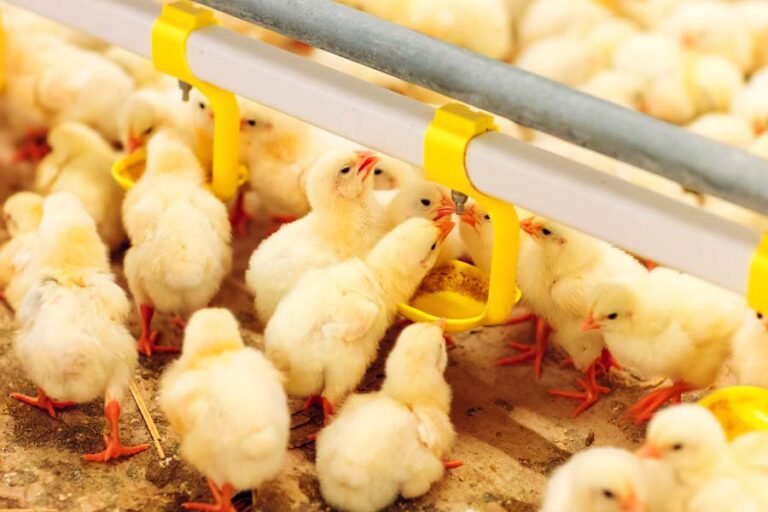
(80, 162)
(392, 442)
(22, 213)
(72, 340)
(666, 324)
(750, 351)
(180, 237)
(226, 402)
(345, 221)
(148, 111)
(346, 309)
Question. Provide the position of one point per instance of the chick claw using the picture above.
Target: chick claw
(114, 449)
(590, 393)
(146, 345)
(452, 464)
(239, 218)
(533, 352)
(222, 500)
(43, 401)
(644, 409)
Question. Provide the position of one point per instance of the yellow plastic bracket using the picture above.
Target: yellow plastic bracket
(739, 409)
(757, 288)
(2, 52)
(169, 55)
(445, 148)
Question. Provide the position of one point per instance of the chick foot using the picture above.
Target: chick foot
(644, 409)
(533, 352)
(239, 218)
(147, 341)
(33, 148)
(452, 464)
(279, 221)
(590, 393)
(179, 322)
(43, 401)
(606, 363)
(324, 403)
(222, 499)
(521, 319)
(114, 448)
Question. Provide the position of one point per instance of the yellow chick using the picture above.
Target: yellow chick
(549, 18)
(226, 402)
(750, 351)
(725, 128)
(180, 237)
(345, 310)
(476, 232)
(345, 221)
(754, 14)
(565, 59)
(392, 442)
(80, 162)
(751, 105)
(143, 72)
(666, 324)
(22, 213)
(615, 86)
(147, 111)
(72, 340)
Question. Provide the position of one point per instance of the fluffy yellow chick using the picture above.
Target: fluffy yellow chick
(80, 162)
(325, 333)
(725, 128)
(690, 441)
(715, 28)
(227, 404)
(754, 13)
(666, 324)
(751, 103)
(750, 351)
(22, 213)
(565, 59)
(600, 480)
(476, 232)
(180, 237)
(615, 86)
(608, 35)
(548, 18)
(50, 81)
(72, 340)
(558, 269)
(345, 221)
(147, 111)
(392, 442)
(143, 72)
(649, 14)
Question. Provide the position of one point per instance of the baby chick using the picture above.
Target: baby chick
(665, 324)
(565, 59)
(22, 213)
(751, 105)
(147, 111)
(725, 128)
(392, 442)
(143, 72)
(476, 232)
(345, 221)
(558, 269)
(750, 351)
(548, 18)
(226, 402)
(345, 311)
(80, 162)
(599, 480)
(180, 237)
(72, 340)
(690, 441)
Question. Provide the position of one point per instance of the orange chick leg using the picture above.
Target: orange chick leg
(43, 401)
(452, 464)
(179, 322)
(320, 401)
(644, 409)
(606, 363)
(238, 217)
(590, 393)
(533, 352)
(114, 449)
(33, 148)
(146, 344)
(222, 499)
(521, 318)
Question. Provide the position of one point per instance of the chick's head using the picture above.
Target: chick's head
(420, 350)
(340, 175)
(264, 130)
(202, 113)
(22, 212)
(211, 332)
(423, 199)
(614, 307)
(562, 245)
(167, 154)
(138, 120)
(607, 480)
(686, 437)
(391, 173)
(410, 248)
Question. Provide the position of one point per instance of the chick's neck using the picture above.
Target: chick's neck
(429, 389)
(351, 222)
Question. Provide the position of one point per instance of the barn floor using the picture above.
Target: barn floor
(511, 432)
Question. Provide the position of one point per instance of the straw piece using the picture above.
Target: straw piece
(144, 410)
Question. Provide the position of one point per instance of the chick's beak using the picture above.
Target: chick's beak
(445, 209)
(649, 451)
(765, 323)
(441, 323)
(529, 227)
(367, 160)
(758, 126)
(445, 229)
(631, 503)
(133, 144)
(590, 324)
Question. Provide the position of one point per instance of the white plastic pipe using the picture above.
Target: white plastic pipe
(639, 220)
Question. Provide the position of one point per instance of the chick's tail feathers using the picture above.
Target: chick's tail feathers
(260, 443)
(347, 473)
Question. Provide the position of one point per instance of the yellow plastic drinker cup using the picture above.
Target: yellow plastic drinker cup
(740, 409)
(464, 296)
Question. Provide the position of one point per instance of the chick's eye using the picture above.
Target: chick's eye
(377, 172)
(487, 217)
(613, 316)
(607, 493)
(251, 122)
(426, 202)
(677, 447)
(546, 232)
(759, 316)
(201, 105)
(148, 131)
(434, 246)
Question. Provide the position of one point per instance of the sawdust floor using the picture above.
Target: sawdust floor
(511, 432)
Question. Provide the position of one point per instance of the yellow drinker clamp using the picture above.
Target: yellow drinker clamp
(169, 55)
(2, 52)
(757, 288)
(740, 409)
(445, 148)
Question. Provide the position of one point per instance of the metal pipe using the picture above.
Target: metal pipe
(697, 164)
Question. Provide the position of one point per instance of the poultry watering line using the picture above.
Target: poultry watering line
(636, 219)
